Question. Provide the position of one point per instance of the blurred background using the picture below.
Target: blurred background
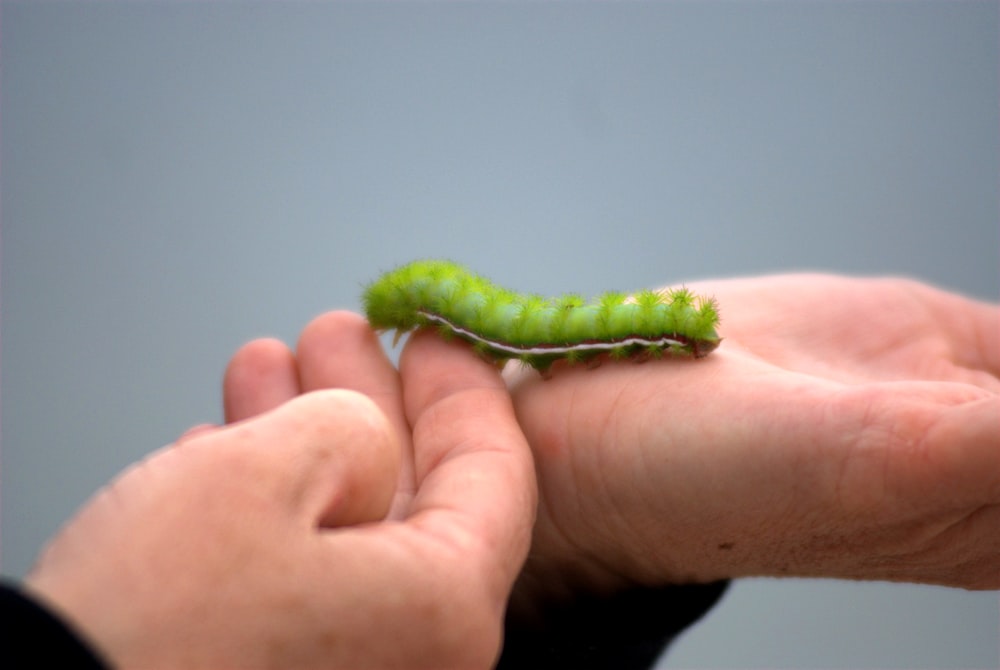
(178, 178)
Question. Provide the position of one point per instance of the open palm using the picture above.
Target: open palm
(844, 428)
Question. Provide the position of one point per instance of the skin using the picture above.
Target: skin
(844, 428)
(316, 529)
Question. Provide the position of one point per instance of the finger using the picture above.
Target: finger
(329, 455)
(261, 376)
(984, 339)
(953, 478)
(196, 431)
(973, 328)
(963, 451)
(340, 350)
(474, 470)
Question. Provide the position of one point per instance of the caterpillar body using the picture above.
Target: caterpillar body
(502, 324)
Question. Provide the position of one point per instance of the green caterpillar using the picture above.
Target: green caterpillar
(538, 331)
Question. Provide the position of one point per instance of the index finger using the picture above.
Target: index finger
(475, 475)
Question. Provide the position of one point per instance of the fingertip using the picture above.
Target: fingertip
(353, 457)
(196, 431)
(260, 376)
(340, 350)
(343, 411)
(259, 351)
(336, 324)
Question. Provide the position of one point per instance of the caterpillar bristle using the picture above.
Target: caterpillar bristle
(538, 331)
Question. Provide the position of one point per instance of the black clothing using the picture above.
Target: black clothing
(627, 631)
(33, 637)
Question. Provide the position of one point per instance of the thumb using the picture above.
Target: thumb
(331, 456)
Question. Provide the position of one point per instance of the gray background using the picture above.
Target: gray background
(178, 178)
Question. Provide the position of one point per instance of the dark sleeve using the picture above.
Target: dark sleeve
(627, 631)
(33, 637)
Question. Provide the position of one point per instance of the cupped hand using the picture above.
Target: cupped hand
(844, 428)
(312, 531)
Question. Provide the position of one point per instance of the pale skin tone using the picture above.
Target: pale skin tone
(285, 540)
(844, 428)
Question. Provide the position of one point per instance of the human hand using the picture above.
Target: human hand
(844, 428)
(270, 542)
